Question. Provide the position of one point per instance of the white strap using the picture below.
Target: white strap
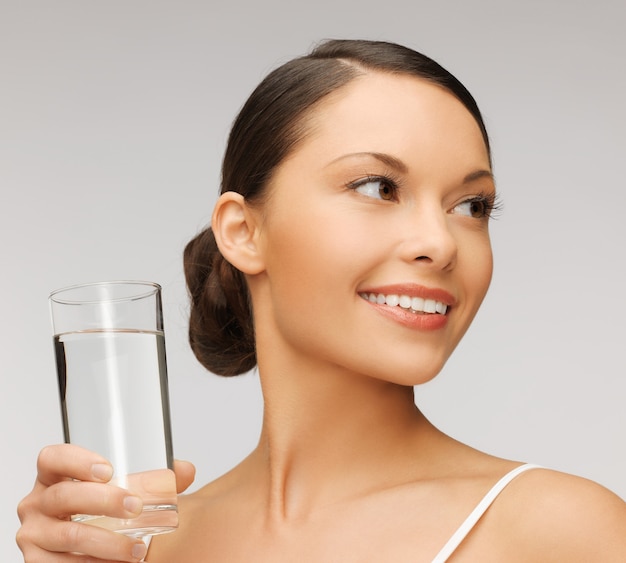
(146, 540)
(475, 515)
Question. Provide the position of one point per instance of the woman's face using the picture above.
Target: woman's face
(375, 233)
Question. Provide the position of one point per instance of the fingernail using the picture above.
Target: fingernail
(133, 504)
(102, 471)
(139, 551)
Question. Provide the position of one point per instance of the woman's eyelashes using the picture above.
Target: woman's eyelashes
(376, 187)
(481, 206)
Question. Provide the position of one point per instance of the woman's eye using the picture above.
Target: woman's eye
(378, 188)
(472, 208)
(478, 207)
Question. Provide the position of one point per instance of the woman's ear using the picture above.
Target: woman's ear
(236, 230)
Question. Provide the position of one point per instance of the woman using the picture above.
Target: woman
(348, 254)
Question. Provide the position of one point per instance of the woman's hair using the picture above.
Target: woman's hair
(270, 124)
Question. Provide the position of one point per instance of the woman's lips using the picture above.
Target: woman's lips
(412, 305)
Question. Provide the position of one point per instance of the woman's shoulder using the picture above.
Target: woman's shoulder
(205, 518)
(568, 518)
(211, 495)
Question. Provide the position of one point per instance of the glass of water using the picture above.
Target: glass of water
(110, 355)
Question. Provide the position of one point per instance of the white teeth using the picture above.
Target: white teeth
(415, 304)
(392, 300)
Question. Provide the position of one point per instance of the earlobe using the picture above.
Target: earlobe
(235, 229)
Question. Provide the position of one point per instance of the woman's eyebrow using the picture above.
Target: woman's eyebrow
(400, 166)
(477, 175)
(386, 159)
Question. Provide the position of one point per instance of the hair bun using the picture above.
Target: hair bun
(221, 331)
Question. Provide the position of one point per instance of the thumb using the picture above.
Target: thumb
(185, 474)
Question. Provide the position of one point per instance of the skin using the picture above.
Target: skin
(72, 480)
(347, 468)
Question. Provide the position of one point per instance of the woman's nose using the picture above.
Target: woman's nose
(429, 241)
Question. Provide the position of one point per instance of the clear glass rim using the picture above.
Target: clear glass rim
(56, 295)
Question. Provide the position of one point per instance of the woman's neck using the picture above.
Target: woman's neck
(329, 435)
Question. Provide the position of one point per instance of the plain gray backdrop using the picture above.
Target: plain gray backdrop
(113, 120)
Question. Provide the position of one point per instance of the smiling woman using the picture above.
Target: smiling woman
(349, 252)
(339, 222)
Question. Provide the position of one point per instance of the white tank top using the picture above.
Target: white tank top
(475, 515)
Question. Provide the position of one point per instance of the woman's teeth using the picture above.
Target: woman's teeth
(415, 304)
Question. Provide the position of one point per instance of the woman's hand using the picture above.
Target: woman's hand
(72, 480)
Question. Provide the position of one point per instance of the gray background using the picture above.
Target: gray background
(113, 118)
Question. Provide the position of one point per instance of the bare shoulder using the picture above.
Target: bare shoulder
(568, 518)
(212, 499)
(203, 515)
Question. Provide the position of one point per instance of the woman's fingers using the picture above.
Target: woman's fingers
(47, 534)
(67, 461)
(185, 474)
(72, 480)
(58, 541)
(75, 497)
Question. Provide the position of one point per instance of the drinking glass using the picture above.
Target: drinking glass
(110, 355)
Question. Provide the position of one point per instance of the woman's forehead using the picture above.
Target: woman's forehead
(390, 113)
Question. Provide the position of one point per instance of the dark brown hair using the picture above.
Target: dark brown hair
(268, 127)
